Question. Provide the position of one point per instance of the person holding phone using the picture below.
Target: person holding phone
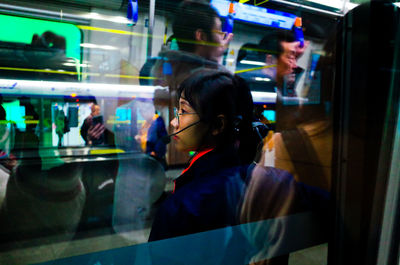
(92, 130)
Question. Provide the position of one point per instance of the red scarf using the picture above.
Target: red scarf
(194, 159)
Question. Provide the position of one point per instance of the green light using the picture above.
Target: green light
(191, 153)
(15, 113)
(19, 29)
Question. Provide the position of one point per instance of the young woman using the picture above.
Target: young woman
(214, 119)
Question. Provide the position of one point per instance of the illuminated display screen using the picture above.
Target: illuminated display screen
(15, 113)
(255, 14)
(269, 114)
(20, 29)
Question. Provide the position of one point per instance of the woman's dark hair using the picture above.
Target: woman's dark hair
(212, 93)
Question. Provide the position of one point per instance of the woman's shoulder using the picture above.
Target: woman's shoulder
(211, 186)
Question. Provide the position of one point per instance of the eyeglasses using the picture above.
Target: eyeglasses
(223, 34)
(177, 114)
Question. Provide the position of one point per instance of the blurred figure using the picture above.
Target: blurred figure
(152, 131)
(37, 204)
(300, 180)
(201, 44)
(141, 179)
(44, 196)
(305, 149)
(202, 36)
(92, 130)
(304, 145)
(62, 127)
(7, 161)
(281, 54)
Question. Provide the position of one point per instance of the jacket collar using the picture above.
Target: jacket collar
(207, 163)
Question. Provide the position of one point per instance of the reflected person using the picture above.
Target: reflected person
(201, 43)
(152, 131)
(299, 182)
(92, 130)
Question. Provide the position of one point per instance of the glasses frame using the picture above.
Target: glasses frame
(224, 33)
(177, 114)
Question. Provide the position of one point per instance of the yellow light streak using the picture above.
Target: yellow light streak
(38, 70)
(115, 31)
(32, 122)
(255, 68)
(118, 122)
(130, 76)
(257, 4)
(106, 151)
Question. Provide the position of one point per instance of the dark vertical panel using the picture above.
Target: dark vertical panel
(364, 124)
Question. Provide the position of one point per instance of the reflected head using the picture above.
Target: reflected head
(272, 42)
(190, 17)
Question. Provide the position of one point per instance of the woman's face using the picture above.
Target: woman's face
(191, 138)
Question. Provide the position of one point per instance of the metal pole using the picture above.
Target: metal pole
(151, 26)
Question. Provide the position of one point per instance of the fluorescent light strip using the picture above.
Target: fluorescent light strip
(334, 3)
(264, 79)
(96, 46)
(74, 89)
(263, 97)
(252, 62)
(115, 19)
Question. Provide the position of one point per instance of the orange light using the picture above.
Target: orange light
(297, 22)
(264, 106)
(231, 8)
(73, 95)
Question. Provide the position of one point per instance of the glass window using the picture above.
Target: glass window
(97, 167)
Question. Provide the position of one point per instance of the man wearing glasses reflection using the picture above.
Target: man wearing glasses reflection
(197, 42)
(198, 29)
(281, 54)
(282, 51)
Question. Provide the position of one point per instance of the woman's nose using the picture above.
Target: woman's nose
(174, 123)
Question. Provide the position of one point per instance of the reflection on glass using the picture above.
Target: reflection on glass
(90, 151)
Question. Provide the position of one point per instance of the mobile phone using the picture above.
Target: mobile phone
(97, 119)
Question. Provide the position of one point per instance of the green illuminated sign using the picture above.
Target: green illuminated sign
(20, 29)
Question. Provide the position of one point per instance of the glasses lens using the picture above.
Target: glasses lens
(176, 114)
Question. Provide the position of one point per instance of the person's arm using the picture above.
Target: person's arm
(84, 129)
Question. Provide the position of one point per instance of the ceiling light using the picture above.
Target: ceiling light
(252, 62)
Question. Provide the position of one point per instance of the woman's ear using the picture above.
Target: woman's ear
(219, 125)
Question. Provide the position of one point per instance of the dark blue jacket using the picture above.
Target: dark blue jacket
(206, 197)
(155, 135)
